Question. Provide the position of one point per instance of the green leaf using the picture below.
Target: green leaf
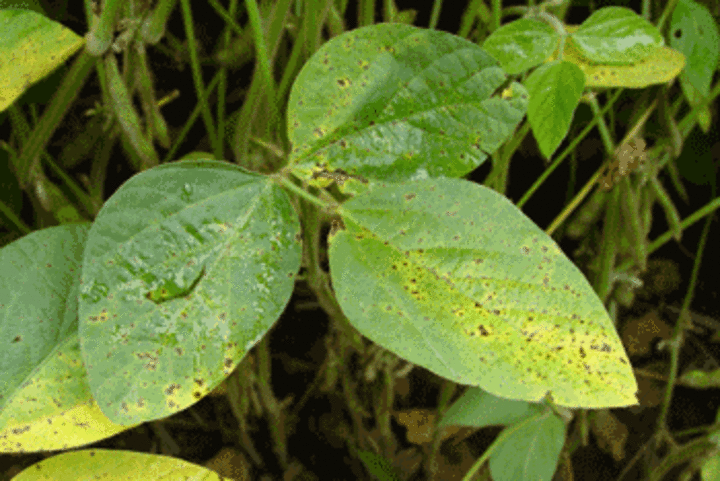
(701, 379)
(397, 102)
(31, 46)
(45, 400)
(452, 277)
(695, 34)
(531, 451)
(616, 36)
(555, 90)
(522, 44)
(186, 267)
(378, 466)
(480, 409)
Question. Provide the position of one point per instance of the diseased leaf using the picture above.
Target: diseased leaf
(660, 66)
(31, 47)
(115, 465)
(186, 267)
(45, 400)
(616, 36)
(397, 102)
(451, 276)
(522, 44)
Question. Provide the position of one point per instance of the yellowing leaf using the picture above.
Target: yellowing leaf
(114, 465)
(451, 276)
(45, 400)
(662, 65)
(31, 47)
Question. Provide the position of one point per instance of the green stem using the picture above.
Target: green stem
(215, 140)
(570, 148)
(276, 419)
(153, 27)
(100, 37)
(53, 115)
(261, 51)
(285, 182)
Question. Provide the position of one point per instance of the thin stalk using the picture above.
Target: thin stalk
(215, 140)
(53, 115)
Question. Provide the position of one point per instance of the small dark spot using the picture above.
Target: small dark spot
(603, 348)
(483, 331)
(582, 353)
(17, 339)
(228, 363)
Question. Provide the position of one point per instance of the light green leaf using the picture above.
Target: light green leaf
(616, 36)
(397, 102)
(451, 276)
(186, 267)
(555, 90)
(522, 44)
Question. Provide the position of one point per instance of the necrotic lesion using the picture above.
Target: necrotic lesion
(170, 290)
